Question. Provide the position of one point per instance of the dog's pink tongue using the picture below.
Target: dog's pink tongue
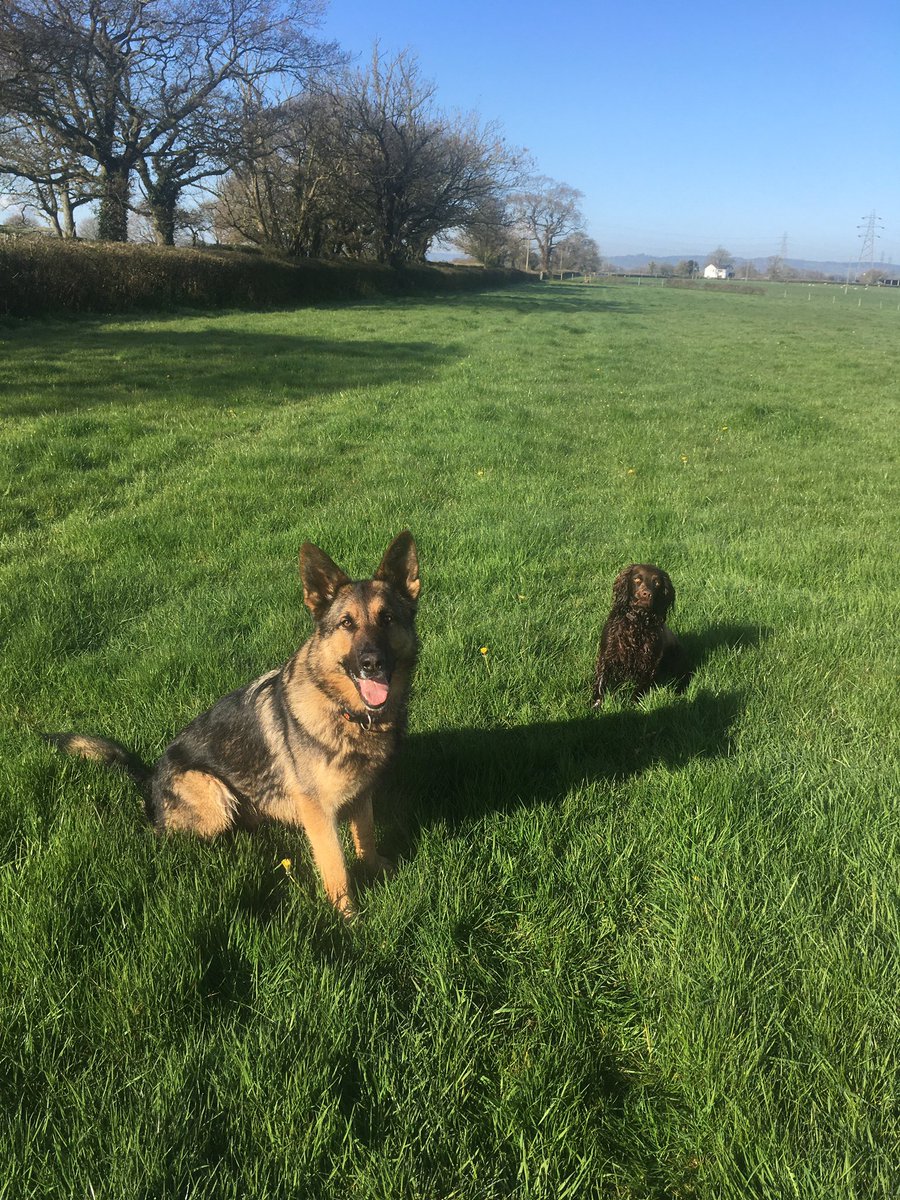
(373, 692)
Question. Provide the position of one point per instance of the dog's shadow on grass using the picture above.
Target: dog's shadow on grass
(456, 776)
(700, 647)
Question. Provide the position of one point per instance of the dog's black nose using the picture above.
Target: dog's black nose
(371, 661)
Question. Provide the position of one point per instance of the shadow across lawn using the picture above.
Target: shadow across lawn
(455, 776)
(561, 299)
(93, 366)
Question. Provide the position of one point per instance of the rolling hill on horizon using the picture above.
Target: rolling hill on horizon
(637, 262)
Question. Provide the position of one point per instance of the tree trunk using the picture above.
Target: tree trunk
(163, 216)
(68, 214)
(163, 193)
(112, 220)
(546, 249)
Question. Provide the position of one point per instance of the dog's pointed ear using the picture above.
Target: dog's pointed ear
(400, 566)
(622, 588)
(321, 579)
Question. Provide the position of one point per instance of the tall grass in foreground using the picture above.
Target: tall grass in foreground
(647, 953)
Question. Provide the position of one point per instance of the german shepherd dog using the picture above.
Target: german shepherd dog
(306, 743)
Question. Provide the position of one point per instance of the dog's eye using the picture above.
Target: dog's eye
(385, 617)
(347, 622)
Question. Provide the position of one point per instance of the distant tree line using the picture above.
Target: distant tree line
(228, 120)
(775, 270)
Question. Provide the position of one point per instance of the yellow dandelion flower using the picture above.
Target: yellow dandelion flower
(631, 471)
(286, 864)
(483, 650)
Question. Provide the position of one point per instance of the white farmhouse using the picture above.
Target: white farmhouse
(711, 271)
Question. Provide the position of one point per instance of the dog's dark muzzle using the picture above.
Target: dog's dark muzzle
(371, 671)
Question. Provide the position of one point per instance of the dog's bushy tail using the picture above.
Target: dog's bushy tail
(105, 751)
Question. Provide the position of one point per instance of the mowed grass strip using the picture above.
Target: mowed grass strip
(645, 953)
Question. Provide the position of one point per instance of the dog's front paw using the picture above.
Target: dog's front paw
(347, 908)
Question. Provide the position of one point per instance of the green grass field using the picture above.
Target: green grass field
(646, 953)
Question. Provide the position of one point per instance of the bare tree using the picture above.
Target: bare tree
(45, 177)
(20, 225)
(720, 257)
(288, 191)
(413, 173)
(123, 83)
(369, 168)
(199, 149)
(197, 223)
(549, 212)
(577, 253)
(490, 236)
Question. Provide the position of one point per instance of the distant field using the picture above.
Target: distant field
(645, 954)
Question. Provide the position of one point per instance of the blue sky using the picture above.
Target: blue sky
(686, 125)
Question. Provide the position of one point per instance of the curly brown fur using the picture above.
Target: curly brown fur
(636, 646)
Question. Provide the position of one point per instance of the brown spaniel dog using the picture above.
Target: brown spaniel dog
(637, 646)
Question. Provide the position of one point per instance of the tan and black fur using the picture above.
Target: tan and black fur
(306, 743)
(637, 647)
